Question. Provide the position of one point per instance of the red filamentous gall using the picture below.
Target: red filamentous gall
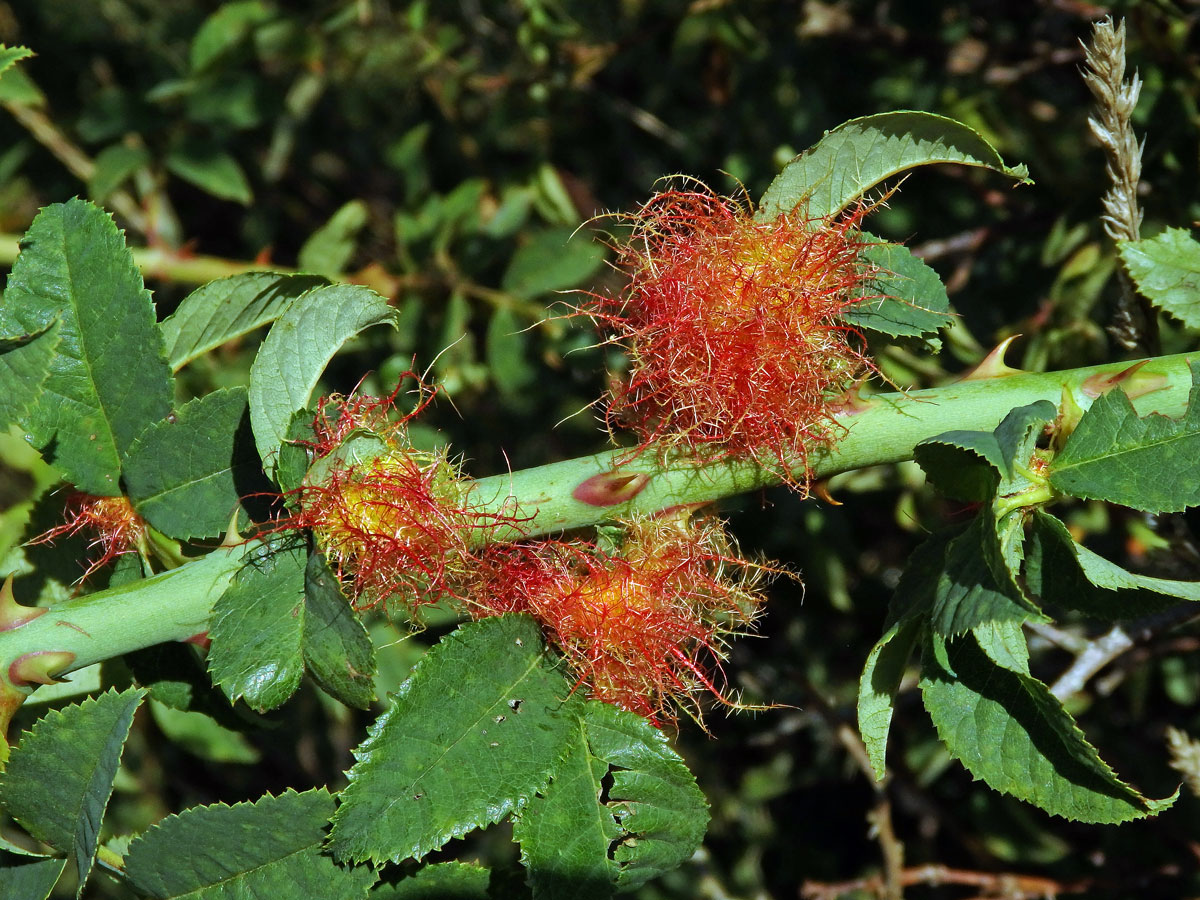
(114, 526)
(733, 330)
(398, 525)
(645, 629)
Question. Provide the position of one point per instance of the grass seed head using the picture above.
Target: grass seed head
(646, 629)
(733, 330)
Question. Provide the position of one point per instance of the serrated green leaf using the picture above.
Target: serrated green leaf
(552, 260)
(1008, 729)
(1004, 643)
(294, 454)
(29, 878)
(228, 308)
(919, 580)
(328, 250)
(25, 363)
(977, 466)
(653, 795)
(212, 170)
(270, 848)
(467, 741)
(565, 833)
(109, 379)
(1062, 571)
(9, 56)
(186, 474)
(257, 628)
(878, 686)
(974, 589)
(965, 465)
(1146, 463)
(1166, 270)
(59, 777)
(854, 157)
(112, 166)
(338, 653)
(904, 298)
(18, 87)
(296, 351)
(439, 881)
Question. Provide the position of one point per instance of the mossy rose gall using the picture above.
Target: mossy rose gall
(646, 627)
(733, 328)
(397, 523)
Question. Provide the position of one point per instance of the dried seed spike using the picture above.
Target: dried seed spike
(13, 614)
(39, 667)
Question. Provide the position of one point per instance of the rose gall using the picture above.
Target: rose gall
(646, 628)
(114, 526)
(397, 524)
(734, 331)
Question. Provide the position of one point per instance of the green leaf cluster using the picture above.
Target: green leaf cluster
(968, 592)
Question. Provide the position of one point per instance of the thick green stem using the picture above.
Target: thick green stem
(884, 428)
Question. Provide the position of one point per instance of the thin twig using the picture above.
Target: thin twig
(1098, 653)
(991, 884)
(78, 163)
(880, 817)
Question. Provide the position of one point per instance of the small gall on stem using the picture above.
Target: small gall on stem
(114, 526)
(398, 525)
(734, 331)
(646, 628)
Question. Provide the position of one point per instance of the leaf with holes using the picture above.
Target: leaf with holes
(469, 739)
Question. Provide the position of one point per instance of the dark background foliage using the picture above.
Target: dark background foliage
(443, 151)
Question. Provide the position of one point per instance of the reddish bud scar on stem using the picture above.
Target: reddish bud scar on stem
(610, 488)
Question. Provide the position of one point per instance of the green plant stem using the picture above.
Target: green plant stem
(884, 428)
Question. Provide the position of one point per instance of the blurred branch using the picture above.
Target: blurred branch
(183, 267)
(78, 163)
(991, 884)
(1095, 654)
(880, 817)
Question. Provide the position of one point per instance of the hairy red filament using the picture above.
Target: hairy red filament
(113, 525)
(646, 629)
(733, 330)
(399, 527)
